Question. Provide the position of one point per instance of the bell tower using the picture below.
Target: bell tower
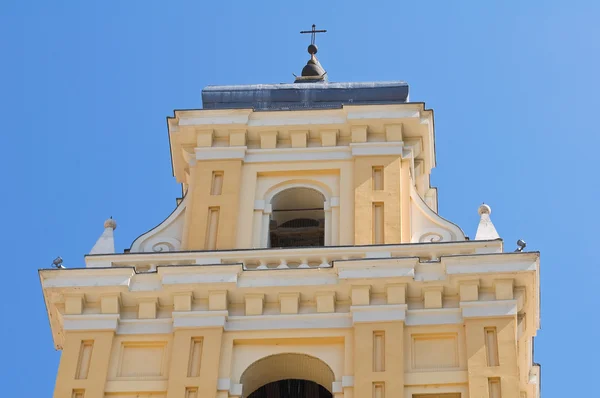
(305, 259)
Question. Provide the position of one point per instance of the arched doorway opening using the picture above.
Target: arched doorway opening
(298, 218)
(287, 376)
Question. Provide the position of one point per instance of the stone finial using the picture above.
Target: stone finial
(110, 223)
(486, 229)
(106, 242)
(484, 209)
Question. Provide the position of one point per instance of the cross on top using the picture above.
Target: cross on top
(313, 32)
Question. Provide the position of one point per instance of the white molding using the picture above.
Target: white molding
(373, 268)
(236, 390)
(443, 316)
(216, 152)
(310, 154)
(358, 112)
(87, 278)
(347, 381)
(208, 117)
(91, 322)
(199, 319)
(200, 278)
(272, 277)
(223, 384)
(336, 387)
(145, 326)
(378, 313)
(295, 321)
(491, 265)
(487, 309)
(377, 148)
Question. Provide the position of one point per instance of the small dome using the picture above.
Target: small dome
(484, 209)
(313, 68)
(110, 223)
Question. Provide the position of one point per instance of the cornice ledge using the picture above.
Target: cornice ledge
(377, 268)
(488, 309)
(86, 277)
(145, 326)
(91, 322)
(199, 274)
(291, 321)
(378, 313)
(434, 316)
(215, 152)
(199, 319)
(197, 117)
(377, 148)
(490, 263)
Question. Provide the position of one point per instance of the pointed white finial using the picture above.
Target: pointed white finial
(486, 229)
(106, 242)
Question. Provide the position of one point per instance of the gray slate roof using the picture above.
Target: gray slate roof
(288, 96)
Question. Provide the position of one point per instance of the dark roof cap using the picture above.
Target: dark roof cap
(288, 96)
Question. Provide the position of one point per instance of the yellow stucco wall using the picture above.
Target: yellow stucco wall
(365, 195)
(195, 227)
(434, 359)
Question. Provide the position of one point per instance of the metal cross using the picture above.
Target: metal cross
(313, 32)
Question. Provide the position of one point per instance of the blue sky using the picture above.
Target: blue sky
(86, 87)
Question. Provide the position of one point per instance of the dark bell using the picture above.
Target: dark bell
(312, 49)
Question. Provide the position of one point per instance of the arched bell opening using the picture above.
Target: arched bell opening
(291, 388)
(287, 376)
(297, 218)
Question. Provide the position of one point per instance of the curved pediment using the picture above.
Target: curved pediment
(428, 226)
(165, 237)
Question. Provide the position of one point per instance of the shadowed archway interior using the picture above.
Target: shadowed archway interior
(287, 375)
(291, 388)
(298, 218)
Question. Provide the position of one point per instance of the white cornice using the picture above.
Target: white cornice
(488, 309)
(199, 319)
(377, 149)
(295, 321)
(86, 277)
(378, 313)
(441, 316)
(376, 268)
(91, 322)
(145, 326)
(218, 153)
(310, 154)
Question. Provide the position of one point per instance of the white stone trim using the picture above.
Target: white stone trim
(372, 268)
(378, 313)
(295, 321)
(236, 390)
(443, 316)
(455, 266)
(223, 384)
(216, 152)
(91, 322)
(145, 326)
(377, 148)
(336, 387)
(310, 154)
(200, 277)
(347, 381)
(74, 278)
(199, 319)
(488, 309)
